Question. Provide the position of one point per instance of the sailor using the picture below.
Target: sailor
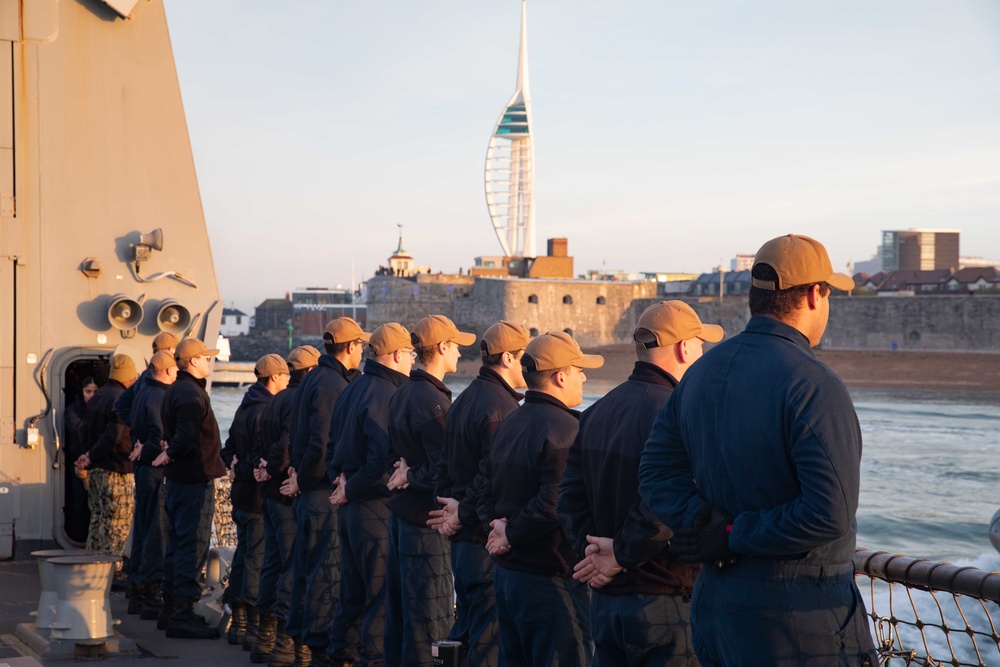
(192, 462)
(112, 489)
(316, 585)
(419, 588)
(165, 342)
(274, 645)
(75, 443)
(357, 461)
(755, 463)
(543, 612)
(241, 454)
(640, 611)
(471, 421)
(149, 530)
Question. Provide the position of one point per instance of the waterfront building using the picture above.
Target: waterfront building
(919, 250)
(510, 166)
(234, 323)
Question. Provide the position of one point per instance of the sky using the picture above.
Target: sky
(668, 136)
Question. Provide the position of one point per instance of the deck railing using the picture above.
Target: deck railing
(929, 613)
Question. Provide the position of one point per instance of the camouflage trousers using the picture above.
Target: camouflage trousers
(225, 528)
(111, 498)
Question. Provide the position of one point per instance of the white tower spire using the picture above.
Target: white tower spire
(510, 167)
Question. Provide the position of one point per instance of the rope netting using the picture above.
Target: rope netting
(928, 613)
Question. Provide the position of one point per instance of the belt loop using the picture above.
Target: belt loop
(822, 577)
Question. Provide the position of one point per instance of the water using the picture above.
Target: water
(930, 474)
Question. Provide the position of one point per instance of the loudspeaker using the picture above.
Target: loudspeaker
(124, 313)
(154, 239)
(173, 317)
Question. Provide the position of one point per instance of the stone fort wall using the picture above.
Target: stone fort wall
(603, 313)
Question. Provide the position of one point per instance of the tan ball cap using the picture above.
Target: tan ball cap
(435, 329)
(270, 364)
(555, 350)
(190, 348)
(304, 356)
(388, 338)
(164, 341)
(344, 330)
(122, 368)
(505, 337)
(161, 361)
(673, 321)
(798, 260)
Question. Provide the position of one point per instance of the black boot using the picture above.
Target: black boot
(253, 621)
(266, 630)
(185, 624)
(303, 656)
(283, 651)
(238, 622)
(152, 603)
(318, 657)
(137, 595)
(163, 618)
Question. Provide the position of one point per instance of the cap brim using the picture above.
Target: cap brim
(589, 361)
(841, 282)
(464, 338)
(712, 333)
(365, 336)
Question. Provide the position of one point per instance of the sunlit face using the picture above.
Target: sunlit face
(89, 391)
(575, 377)
(820, 318)
(696, 347)
(405, 359)
(281, 381)
(452, 354)
(517, 372)
(354, 354)
(201, 366)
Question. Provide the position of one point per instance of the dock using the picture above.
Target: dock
(233, 373)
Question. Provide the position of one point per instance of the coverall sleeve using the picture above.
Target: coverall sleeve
(538, 517)
(431, 434)
(320, 414)
(373, 472)
(641, 537)
(574, 505)
(123, 404)
(277, 453)
(666, 480)
(187, 428)
(468, 504)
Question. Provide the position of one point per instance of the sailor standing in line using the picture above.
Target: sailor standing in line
(241, 454)
(639, 611)
(316, 586)
(543, 612)
(192, 462)
(149, 534)
(471, 421)
(771, 436)
(112, 489)
(274, 646)
(419, 587)
(144, 485)
(357, 461)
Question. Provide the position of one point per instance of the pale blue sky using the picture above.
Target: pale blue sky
(668, 135)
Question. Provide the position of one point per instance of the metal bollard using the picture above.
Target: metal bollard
(446, 653)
